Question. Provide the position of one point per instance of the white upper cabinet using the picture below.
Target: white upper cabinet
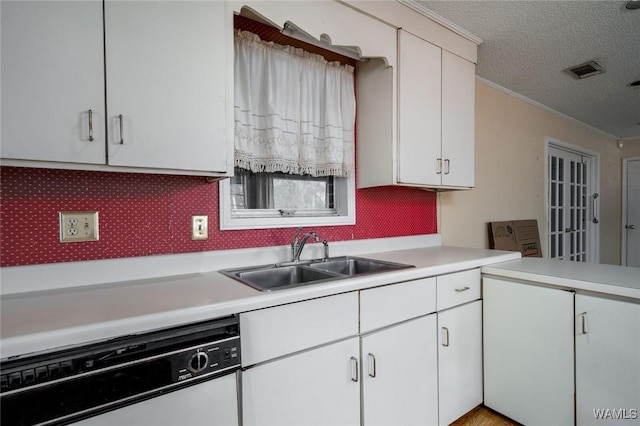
(458, 121)
(435, 115)
(166, 75)
(52, 76)
(432, 145)
(419, 111)
(168, 80)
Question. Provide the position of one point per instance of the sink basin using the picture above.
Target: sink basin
(281, 277)
(284, 276)
(355, 266)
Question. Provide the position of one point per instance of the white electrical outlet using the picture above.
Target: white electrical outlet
(199, 227)
(78, 226)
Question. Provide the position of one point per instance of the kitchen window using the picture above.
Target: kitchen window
(266, 200)
(294, 139)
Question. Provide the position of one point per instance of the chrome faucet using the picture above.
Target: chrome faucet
(298, 244)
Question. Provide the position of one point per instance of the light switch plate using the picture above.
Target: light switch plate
(78, 227)
(199, 227)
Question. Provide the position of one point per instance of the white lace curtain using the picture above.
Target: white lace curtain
(294, 111)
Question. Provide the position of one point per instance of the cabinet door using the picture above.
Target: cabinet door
(52, 75)
(419, 111)
(317, 387)
(528, 352)
(400, 374)
(607, 361)
(458, 128)
(459, 361)
(167, 74)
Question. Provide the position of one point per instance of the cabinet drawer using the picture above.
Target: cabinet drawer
(273, 332)
(383, 306)
(458, 288)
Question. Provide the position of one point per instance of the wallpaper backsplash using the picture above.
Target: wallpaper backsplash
(143, 214)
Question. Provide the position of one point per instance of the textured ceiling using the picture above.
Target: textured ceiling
(527, 45)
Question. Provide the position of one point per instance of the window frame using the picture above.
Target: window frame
(345, 206)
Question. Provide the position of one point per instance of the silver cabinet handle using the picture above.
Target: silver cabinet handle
(630, 227)
(445, 336)
(90, 126)
(448, 166)
(372, 365)
(584, 322)
(354, 369)
(121, 130)
(595, 207)
(465, 288)
(439, 166)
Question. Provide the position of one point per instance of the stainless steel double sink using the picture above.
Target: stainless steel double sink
(296, 274)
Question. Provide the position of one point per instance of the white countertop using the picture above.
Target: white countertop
(48, 319)
(614, 280)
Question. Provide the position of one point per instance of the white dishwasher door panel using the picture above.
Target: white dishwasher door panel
(215, 400)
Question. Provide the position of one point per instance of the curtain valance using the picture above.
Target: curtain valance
(294, 110)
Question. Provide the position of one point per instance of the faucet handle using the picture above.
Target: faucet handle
(298, 232)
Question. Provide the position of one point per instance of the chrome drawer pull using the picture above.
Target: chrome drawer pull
(445, 336)
(439, 166)
(584, 322)
(462, 289)
(90, 126)
(121, 130)
(372, 363)
(354, 369)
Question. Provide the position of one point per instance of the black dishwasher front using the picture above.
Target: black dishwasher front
(64, 386)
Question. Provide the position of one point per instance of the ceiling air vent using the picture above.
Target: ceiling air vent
(588, 69)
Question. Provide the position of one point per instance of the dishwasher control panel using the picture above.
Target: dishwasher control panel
(206, 359)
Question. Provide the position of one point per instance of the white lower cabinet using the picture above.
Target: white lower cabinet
(531, 336)
(607, 361)
(459, 361)
(308, 363)
(316, 387)
(399, 374)
(528, 352)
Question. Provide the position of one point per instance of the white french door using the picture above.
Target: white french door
(572, 205)
(631, 212)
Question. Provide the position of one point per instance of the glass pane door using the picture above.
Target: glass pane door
(569, 192)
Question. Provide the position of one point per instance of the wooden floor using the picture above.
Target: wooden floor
(483, 416)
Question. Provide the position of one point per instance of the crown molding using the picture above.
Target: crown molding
(541, 106)
(421, 9)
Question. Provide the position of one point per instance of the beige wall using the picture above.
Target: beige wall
(510, 172)
(631, 148)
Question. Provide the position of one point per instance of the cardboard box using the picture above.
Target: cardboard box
(516, 235)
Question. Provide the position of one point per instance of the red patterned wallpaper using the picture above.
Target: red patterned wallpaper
(143, 214)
